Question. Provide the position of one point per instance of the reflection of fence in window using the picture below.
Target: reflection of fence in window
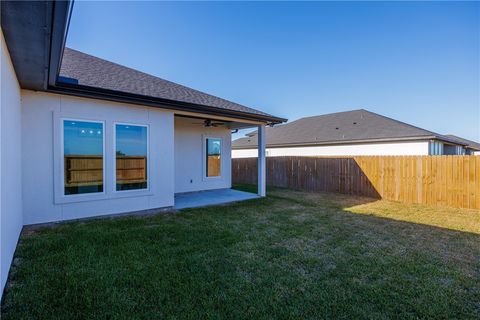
(213, 169)
(81, 171)
(131, 170)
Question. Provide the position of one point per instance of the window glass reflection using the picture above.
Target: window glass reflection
(214, 148)
(83, 157)
(131, 157)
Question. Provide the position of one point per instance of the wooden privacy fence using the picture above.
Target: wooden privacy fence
(452, 181)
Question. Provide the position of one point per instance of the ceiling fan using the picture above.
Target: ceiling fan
(209, 123)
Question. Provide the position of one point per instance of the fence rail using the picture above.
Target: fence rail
(452, 181)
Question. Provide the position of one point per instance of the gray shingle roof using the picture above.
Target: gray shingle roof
(87, 70)
(342, 127)
(471, 144)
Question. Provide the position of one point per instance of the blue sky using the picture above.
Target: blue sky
(131, 140)
(418, 62)
(86, 138)
(82, 138)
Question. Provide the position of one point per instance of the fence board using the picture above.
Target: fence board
(434, 180)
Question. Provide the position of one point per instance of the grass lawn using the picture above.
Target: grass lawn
(292, 255)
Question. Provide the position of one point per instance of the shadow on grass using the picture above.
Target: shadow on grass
(466, 220)
(347, 200)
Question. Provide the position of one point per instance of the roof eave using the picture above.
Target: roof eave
(472, 148)
(124, 97)
(62, 12)
(35, 33)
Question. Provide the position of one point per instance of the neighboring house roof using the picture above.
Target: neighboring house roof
(340, 128)
(82, 69)
(469, 143)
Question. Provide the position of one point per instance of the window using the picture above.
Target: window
(131, 146)
(437, 148)
(213, 157)
(82, 157)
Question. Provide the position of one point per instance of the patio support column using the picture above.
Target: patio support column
(262, 172)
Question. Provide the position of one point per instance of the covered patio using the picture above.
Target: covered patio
(203, 153)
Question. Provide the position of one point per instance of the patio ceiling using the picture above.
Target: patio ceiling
(227, 122)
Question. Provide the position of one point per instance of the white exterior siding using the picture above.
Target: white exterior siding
(190, 157)
(373, 149)
(11, 220)
(41, 157)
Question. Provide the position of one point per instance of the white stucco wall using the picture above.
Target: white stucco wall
(41, 113)
(373, 149)
(189, 157)
(11, 220)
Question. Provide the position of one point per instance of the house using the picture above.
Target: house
(82, 137)
(471, 147)
(350, 133)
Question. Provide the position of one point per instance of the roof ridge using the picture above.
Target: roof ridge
(427, 132)
(328, 114)
(342, 127)
(373, 113)
(370, 112)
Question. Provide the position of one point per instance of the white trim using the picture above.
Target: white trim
(204, 157)
(60, 196)
(133, 192)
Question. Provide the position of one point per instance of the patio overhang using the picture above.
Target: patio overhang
(198, 119)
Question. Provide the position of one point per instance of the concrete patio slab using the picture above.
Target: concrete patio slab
(210, 197)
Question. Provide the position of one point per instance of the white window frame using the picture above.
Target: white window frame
(114, 144)
(204, 157)
(80, 196)
(109, 161)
